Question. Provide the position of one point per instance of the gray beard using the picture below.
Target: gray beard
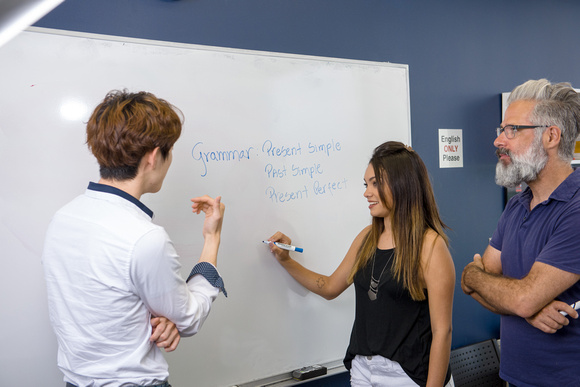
(523, 168)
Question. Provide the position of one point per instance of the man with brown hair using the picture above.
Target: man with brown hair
(115, 292)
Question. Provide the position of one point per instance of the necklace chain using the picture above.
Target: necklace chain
(374, 285)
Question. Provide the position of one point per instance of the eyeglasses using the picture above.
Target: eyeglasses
(510, 130)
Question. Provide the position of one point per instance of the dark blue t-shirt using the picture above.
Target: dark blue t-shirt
(550, 234)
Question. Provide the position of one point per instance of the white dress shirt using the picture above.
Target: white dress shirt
(108, 269)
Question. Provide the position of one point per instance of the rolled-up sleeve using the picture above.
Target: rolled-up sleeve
(156, 276)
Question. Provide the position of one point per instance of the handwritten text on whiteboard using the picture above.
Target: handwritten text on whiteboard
(302, 161)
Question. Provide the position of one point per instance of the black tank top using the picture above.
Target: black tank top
(393, 326)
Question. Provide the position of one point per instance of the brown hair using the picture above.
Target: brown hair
(414, 211)
(125, 126)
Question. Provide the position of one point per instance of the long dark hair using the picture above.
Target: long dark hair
(413, 213)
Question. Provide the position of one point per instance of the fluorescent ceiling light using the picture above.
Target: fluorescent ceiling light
(17, 15)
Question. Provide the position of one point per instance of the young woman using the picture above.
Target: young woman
(403, 276)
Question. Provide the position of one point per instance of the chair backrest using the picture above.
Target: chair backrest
(476, 365)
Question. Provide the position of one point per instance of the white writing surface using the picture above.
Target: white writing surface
(285, 139)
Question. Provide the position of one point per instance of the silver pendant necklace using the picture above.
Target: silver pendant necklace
(374, 285)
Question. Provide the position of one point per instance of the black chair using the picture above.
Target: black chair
(477, 365)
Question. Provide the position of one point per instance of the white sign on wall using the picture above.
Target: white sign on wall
(450, 148)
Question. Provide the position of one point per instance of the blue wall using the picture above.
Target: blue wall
(461, 56)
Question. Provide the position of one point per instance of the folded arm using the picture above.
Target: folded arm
(525, 297)
(164, 334)
(156, 277)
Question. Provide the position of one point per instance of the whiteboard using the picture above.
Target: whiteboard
(285, 139)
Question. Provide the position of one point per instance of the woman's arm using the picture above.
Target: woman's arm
(439, 277)
(328, 287)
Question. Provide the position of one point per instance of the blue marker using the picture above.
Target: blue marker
(285, 246)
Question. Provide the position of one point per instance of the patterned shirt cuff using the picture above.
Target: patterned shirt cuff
(210, 273)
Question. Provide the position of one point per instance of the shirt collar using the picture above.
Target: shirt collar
(115, 191)
(568, 188)
(564, 192)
